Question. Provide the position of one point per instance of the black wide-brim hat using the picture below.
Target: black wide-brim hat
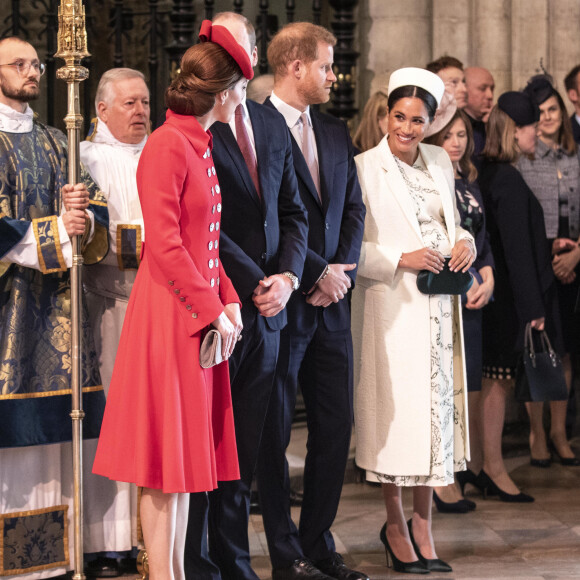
(520, 107)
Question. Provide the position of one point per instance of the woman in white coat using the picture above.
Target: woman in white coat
(410, 397)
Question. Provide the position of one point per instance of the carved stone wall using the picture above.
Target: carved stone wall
(509, 37)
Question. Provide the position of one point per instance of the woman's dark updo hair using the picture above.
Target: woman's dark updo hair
(206, 70)
(412, 91)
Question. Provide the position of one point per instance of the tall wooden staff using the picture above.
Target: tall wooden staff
(72, 47)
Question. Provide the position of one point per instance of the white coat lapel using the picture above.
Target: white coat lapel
(430, 157)
(397, 185)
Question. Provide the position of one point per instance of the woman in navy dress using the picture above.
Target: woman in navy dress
(457, 139)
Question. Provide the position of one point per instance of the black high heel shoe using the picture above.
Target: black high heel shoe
(416, 567)
(465, 477)
(490, 488)
(568, 461)
(542, 463)
(432, 564)
(456, 507)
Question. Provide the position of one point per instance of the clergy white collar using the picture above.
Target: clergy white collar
(12, 121)
(104, 135)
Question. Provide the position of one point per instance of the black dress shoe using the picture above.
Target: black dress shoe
(450, 507)
(103, 568)
(255, 507)
(336, 568)
(414, 567)
(465, 477)
(491, 488)
(129, 565)
(300, 569)
(568, 461)
(543, 463)
(432, 564)
(471, 505)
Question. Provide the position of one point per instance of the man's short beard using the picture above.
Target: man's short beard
(23, 95)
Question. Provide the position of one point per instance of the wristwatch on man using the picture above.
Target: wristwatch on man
(293, 279)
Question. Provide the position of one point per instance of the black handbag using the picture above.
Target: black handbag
(446, 282)
(540, 375)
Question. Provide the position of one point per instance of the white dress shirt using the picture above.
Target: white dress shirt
(292, 117)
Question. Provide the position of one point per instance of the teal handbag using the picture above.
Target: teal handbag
(446, 282)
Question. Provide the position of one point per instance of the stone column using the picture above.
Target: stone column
(393, 34)
(530, 39)
(491, 40)
(451, 30)
(563, 44)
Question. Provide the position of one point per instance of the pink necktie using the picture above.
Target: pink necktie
(246, 147)
(308, 144)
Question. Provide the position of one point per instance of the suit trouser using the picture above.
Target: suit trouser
(198, 565)
(252, 369)
(321, 362)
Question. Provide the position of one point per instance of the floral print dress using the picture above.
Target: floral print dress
(445, 420)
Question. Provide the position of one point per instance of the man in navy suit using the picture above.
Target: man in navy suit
(316, 345)
(263, 243)
(571, 82)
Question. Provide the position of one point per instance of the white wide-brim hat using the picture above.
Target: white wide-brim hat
(417, 77)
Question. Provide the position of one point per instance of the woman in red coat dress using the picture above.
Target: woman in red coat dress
(168, 424)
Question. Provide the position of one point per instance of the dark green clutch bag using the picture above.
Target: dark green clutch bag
(446, 282)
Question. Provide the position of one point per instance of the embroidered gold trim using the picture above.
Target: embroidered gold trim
(16, 571)
(93, 129)
(120, 228)
(98, 247)
(49, 393)
(56, 239)
(4, 267)
(96, 202)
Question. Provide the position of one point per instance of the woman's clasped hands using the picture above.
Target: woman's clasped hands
(462, 256)
(229, 325)
(423, 259)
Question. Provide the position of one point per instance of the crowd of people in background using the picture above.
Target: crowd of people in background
(260, 224)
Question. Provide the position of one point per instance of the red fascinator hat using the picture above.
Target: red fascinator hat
(222, 36)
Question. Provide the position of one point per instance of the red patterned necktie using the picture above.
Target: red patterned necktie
(245, 146)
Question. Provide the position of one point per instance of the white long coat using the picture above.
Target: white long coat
(391, 322)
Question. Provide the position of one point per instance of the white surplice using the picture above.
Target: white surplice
(110, 506)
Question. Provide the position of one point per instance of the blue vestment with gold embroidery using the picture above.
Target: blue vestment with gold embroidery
(35, 331)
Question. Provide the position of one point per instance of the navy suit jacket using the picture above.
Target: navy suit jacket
(266, 234)
(575, 128)
(336, 225)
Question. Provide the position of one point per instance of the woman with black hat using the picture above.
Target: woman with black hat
(524, 283)
(553, 174)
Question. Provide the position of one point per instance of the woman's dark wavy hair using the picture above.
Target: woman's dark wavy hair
(565, 133)
(412, 91)
(206, 70)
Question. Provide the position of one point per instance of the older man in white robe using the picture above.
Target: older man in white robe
(111, 154)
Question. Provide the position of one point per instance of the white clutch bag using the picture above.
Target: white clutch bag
(210, 352)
